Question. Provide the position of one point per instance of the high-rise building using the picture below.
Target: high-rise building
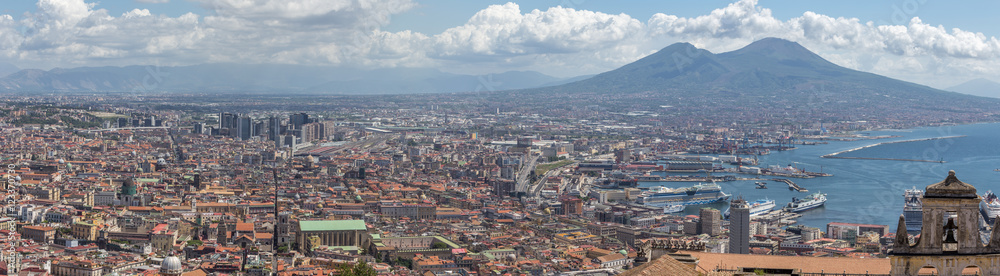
(227, 120)
(244, 128)
(258, 128)
(273, 128)
(312, 132)
(297, 120)
(199, 128)
(739, 226)
(711, 222)
(503, 187)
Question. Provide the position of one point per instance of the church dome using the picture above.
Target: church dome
(951, 187)
(171, 265)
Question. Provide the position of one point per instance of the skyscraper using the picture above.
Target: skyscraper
(227, 120)
(297, 120)
(244, 128)
(739, 226)
(274, 129)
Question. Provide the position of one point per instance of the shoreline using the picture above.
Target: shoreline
(834, 155)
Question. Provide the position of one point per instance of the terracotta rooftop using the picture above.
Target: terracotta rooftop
(708, 262)
(664, 265)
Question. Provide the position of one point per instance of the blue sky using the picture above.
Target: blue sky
(935, 43)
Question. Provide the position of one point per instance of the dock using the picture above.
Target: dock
(791, 185)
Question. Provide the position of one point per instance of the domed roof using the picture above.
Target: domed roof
(172, 265)
(951, 187)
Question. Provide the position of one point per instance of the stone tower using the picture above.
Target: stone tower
(739, 226)
(949, 240)
(284, 228)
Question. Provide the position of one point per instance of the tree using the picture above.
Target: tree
(361, 268)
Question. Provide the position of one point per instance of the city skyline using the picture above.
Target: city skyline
(915, 41)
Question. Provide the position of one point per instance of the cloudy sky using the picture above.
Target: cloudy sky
(936, 43)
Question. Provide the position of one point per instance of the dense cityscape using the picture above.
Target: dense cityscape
(495, 138)
(128, 188)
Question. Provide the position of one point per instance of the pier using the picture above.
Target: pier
(835, 154)
(791, 185)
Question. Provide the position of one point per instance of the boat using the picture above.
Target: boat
(809, 202)
(673, 208)
(913, 208)
(758, 207)
(695, 195)
(989, 205)
(761, 185)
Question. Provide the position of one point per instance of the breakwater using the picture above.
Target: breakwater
(835, 154)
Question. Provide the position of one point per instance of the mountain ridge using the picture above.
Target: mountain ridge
(230, 77)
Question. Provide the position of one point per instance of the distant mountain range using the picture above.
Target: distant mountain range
(978, 87)
(767, 74)
(266, 78)
(773, 76)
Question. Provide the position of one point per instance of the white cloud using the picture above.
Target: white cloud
(560, 41)
(153, 1)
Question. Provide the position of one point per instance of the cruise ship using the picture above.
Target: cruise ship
(913, 208)
(809, 202)
(698, 194)
(759, 207)
(989, 206)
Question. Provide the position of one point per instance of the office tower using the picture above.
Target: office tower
(297, 120)
(274, 129)
(739, 226)
(244, 128)
(227, 120)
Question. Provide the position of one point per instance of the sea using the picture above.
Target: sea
(871, 191)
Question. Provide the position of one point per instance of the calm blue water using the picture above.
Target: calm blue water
(871, 191)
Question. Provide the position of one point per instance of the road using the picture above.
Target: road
(522, 175)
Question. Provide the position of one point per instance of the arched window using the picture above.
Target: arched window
(972, 270)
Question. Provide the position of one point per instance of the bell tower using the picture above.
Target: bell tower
(949, 239)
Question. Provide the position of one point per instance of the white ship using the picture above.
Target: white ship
(809, 202)
(989, 206)
(673, 208)
(694, 195)
(759, 207)
(913, 208)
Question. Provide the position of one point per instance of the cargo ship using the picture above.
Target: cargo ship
(695, 195)
(913, 208)
(809, 202)
(759, 207)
